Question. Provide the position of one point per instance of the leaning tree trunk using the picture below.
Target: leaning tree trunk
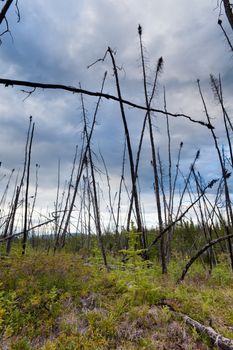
(228, 11)
(4, 10)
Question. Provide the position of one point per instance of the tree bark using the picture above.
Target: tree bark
(218, 340)
(228, 11)
(5, 9)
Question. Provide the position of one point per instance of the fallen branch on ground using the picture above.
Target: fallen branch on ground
(219, 340)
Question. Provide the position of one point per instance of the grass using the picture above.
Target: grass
(63, 302)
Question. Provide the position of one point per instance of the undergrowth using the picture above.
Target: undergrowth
(62, 301)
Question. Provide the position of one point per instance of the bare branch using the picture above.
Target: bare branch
(28, 93)
(225, 33)
(13, 82)
(17, 11)
(30, 229)
(7, 30)
(98, 60)
(210, 185)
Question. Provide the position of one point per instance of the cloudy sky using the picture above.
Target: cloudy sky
(54, 43)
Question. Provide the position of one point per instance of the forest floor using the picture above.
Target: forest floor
(66, 302)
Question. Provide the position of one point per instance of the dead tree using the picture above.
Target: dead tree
(130, 152)
(201, 251)
(154, 158)
(5, 9)
(25, 230)
(228, 10)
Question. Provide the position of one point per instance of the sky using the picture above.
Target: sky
(57, 42)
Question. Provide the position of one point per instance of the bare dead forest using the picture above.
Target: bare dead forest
(194, 215)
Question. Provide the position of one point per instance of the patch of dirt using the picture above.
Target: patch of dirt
(163, 335)
(89, 302)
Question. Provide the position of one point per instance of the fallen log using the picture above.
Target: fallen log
(218, 340)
